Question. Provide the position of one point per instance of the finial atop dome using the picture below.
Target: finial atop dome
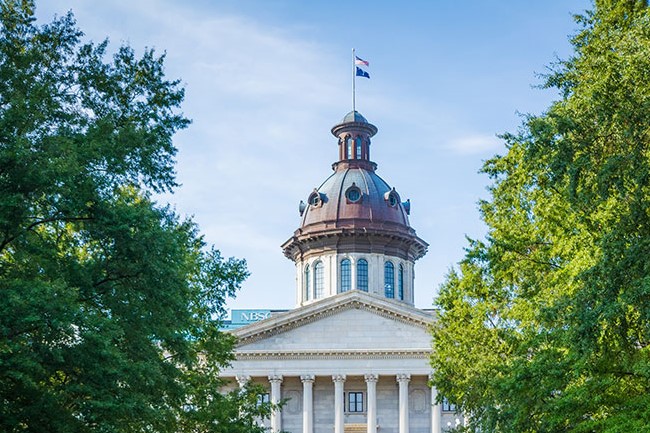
(354, 116)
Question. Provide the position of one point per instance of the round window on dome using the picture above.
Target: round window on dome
(392, 198)
(314, 199)
(353, 194)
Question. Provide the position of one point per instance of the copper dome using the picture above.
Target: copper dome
(354, 197)
(354, 210)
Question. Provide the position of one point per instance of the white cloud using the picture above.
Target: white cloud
(474, 144)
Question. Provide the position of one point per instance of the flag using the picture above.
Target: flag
(362, 73)
(360, 62)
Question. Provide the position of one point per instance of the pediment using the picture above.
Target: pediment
(349, 322)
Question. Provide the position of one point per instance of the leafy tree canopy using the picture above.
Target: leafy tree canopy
(109, 303)
(546, 325)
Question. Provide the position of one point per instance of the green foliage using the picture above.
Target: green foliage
(109, 304)
(546, 325)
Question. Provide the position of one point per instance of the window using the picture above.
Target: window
(389, 280)
(400, 283)
(355, 401)
(358, 143)
(263, 398)
(349, 142)
(314, 199)
(346, 275)
(448, 407)
(307, 285)
(362, 275)
(353, 194)
(319, 286)
(391, 198)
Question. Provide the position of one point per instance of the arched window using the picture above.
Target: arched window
(307, 285)
(319, 283)
(346, 275)
(400, 282)
(358, 143)
(389, 280)
(362, 275)
(349, 143)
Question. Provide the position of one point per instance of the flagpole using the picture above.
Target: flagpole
(354, 76)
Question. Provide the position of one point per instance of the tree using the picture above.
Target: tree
(109, 303)
(546, 325)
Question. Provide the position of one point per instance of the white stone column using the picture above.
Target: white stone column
(403, 380)
(276, 396)
(436, 411)
(242, 380)
(339, 382)
(371, 384)
(307, 403)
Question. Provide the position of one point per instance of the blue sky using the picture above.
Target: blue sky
(266, 79)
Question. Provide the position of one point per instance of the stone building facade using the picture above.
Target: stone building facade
(353, 355)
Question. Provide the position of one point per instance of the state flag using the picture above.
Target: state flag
(362, 73)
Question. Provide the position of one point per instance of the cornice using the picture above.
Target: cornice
(267, 355)
(387, 238)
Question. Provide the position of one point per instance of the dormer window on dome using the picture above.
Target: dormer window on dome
(391, 197)
(315, 199)
(353, 194)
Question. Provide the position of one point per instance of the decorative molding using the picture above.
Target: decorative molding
(403, 377)
(371, 377)
(332, 354)
(418, 400)
(307, 378)
(275, 378)
(338, 378)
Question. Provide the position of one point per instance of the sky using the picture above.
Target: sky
(266, 80)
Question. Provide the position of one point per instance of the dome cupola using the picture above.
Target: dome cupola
(354, 133)
(354, 231)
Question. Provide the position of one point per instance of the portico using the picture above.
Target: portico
(411, 403)
(345, 362)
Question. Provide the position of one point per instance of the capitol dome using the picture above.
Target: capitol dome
(354, 226)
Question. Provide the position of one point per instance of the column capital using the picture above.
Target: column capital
(307, 378)
(243, 379)
(275, 378)
(404, 377)
(338, 378)
(371, 377)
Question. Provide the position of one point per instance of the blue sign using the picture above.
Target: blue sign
(248, 316)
